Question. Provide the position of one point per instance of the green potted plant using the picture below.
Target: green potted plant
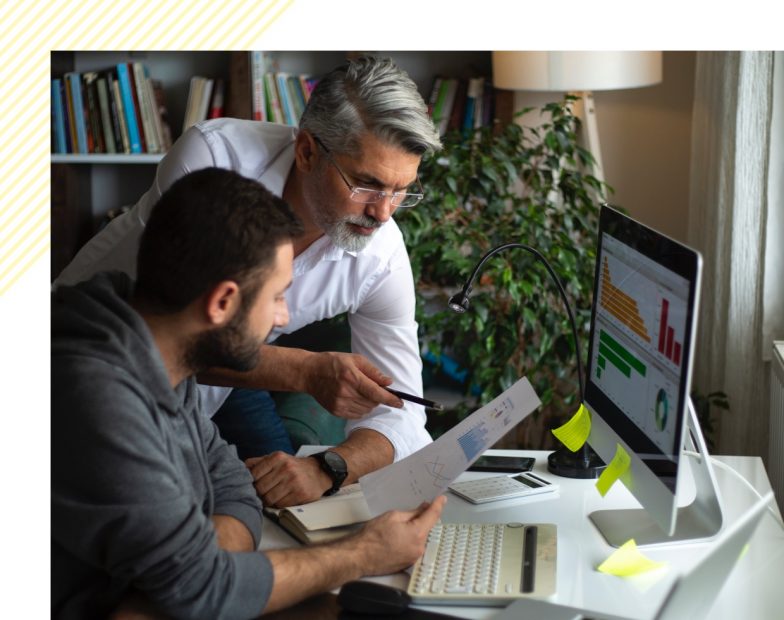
(500, 184)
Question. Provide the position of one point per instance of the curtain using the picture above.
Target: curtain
(728, 205)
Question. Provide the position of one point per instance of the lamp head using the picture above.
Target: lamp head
(460, 302)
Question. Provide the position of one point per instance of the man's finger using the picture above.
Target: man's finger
(373, 373)
(378, 395)
(427, 515)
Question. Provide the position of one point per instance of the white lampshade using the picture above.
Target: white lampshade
(575, 71)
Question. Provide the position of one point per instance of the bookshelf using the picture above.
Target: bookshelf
(85, 187)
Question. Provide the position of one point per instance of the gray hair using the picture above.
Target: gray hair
(369, 94)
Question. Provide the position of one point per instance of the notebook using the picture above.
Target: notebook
(691, 595)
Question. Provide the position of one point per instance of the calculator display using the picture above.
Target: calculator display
(527, 481)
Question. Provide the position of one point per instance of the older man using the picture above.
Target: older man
(352, 163)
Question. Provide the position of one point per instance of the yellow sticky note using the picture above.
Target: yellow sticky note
(575, 432)
(627, 561)
(616, 468)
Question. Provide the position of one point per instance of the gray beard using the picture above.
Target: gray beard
(342, 235)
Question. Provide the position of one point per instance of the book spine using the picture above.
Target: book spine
(204, 100)
(137, 108)
(74, 80)
(446, 109)
(257, 80)
(124, 81)
(145, 112)
(93, 113)
(296, 95)
(120, 108)
(216, 106)
(285, 104)
(73, 146)
(163, 114)
(149, 91)
(106, 115)
(275, 113)
(58, 119)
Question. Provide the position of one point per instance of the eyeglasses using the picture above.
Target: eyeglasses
(366, 195)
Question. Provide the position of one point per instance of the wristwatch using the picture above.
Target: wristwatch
(335, 467)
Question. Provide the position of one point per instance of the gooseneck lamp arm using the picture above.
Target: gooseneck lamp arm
(460, 302)
(584, 463)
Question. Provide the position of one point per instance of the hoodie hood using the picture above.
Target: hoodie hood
(114, 333)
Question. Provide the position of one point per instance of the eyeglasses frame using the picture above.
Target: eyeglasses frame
(380, 193)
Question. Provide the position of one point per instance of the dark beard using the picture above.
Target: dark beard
(229, 347)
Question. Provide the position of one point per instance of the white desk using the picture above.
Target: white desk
(753, 590)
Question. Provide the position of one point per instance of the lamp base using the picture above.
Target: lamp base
(584, 463)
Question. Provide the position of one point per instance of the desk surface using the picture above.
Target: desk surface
(752, 590)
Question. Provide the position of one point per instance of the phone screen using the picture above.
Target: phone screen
(510, 464)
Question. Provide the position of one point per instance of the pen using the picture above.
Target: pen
(416, 399)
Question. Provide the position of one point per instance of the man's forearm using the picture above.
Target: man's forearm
(302, 573)
(364, 451)
(279, 369)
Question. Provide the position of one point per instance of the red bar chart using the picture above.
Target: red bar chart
(668, 346)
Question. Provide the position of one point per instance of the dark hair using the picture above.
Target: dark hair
(209, 226)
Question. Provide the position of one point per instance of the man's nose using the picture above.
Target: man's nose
(381, 210)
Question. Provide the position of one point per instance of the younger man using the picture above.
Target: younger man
(148, 502)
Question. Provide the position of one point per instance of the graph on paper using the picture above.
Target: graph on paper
(423, 475)
(637, 348)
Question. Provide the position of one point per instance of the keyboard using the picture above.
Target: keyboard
(485, 564)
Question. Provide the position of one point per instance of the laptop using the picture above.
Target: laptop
(691, 595)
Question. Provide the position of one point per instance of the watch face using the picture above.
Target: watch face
(335, 462)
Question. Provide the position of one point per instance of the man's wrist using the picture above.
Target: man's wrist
(334, 466)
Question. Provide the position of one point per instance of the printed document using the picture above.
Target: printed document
(426, 474)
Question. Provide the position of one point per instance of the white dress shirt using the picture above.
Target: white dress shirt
(375, 286)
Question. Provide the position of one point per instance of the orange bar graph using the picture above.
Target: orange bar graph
(620, 305)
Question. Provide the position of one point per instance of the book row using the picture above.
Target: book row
(116, 110)
(278, 97)
(461, 104)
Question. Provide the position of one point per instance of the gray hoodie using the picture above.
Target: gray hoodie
(137, 472)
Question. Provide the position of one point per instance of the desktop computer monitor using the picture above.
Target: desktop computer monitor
(643, 324)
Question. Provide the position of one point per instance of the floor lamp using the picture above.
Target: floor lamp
(580, 73)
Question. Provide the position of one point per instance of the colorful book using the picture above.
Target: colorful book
(106, 114)
(140, 76)
(137, 107)
(216, 105)
(95, 132)
(77, 111)
(129, 111)
(257, 68)
(162, 113)
(58, 118)
(285, 103)
(274, 108)
(296, 96)
(120, 108)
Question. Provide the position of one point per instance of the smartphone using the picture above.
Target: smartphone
(503, 464)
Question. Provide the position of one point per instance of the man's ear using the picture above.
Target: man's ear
(305, 151)
(222, 302)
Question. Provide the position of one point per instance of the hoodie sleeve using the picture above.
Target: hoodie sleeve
(121, 506)
(231, 481)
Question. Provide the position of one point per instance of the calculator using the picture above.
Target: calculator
(502, 487)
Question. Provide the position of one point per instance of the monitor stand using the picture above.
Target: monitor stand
(701, 519)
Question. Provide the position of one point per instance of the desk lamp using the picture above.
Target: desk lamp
(579, 73)
(584, 463)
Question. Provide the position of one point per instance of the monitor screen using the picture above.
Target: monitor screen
(645, 296)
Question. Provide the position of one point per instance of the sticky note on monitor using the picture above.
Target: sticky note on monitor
(627, 561)
(575, 432)
(617, 468)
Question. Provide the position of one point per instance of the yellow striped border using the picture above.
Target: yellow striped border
(30, 32)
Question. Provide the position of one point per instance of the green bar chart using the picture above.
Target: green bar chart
(610, 350)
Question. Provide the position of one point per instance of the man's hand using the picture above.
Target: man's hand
(347, 384)
(396, 539)
(284, 480)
